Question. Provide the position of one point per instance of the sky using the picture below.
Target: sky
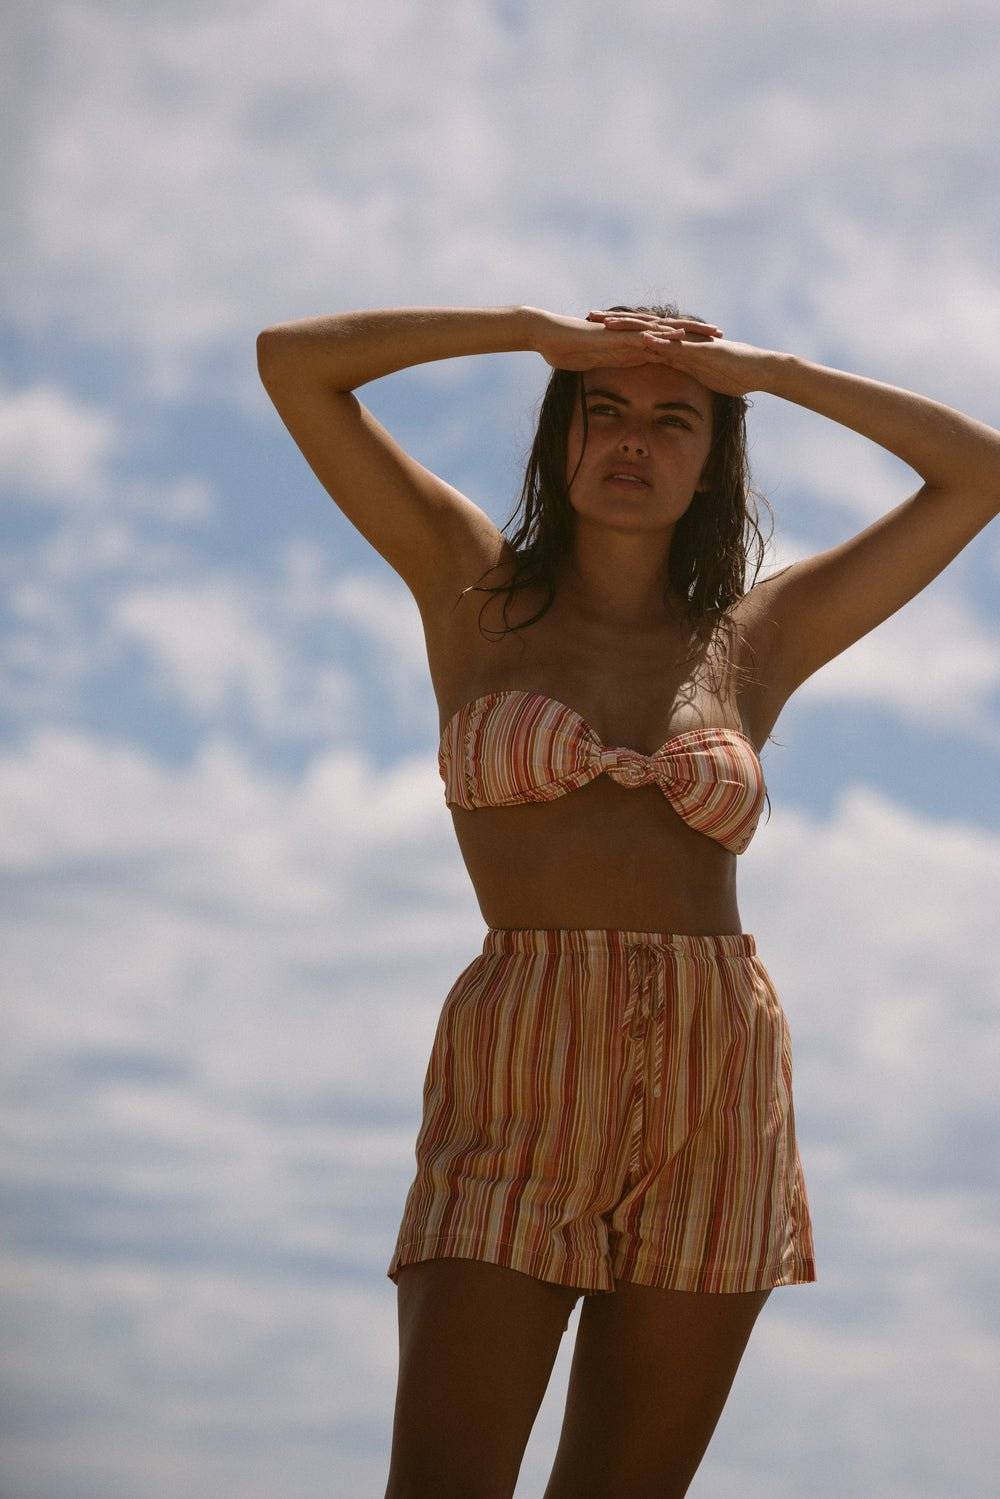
(233, 898)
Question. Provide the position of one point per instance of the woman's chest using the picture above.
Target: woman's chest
(633, 688)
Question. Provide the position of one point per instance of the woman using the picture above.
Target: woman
(608, 1108)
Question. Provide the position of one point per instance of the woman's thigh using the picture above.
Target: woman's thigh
(477, 1343)
(652, 1370)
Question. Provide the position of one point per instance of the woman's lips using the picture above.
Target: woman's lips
(631, 483)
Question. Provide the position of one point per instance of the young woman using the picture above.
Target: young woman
(608, 1108)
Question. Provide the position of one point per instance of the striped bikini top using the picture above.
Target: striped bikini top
(508, 747)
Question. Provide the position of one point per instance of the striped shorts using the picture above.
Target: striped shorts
(604, 1105)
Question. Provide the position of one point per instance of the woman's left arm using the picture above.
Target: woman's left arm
(948, 450)
(812, 610)
(816, 608)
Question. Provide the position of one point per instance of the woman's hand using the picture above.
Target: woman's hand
(571, 343)
(720, 364)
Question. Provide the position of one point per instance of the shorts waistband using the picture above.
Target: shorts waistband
(556, 941)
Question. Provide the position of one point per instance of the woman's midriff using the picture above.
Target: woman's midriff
(604, 855)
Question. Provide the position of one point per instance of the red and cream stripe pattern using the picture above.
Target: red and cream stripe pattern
(605, 1105)
(515, 746)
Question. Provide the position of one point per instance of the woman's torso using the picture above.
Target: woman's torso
(603, 855)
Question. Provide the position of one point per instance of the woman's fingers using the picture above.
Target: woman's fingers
(633, 319)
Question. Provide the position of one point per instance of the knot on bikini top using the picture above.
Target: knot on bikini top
(629, 767)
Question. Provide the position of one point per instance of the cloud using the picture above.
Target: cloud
(52, 445)
(210, 202)
(934, 663)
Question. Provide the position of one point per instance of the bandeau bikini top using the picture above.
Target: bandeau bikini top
(516, 746)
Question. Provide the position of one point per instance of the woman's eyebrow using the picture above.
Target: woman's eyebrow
(596, 390)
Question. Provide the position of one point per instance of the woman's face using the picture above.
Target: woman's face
(646, 419)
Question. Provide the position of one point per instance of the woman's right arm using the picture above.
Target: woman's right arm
(351, 348)
(433, 536)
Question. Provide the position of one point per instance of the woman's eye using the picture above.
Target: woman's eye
(596, 410)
